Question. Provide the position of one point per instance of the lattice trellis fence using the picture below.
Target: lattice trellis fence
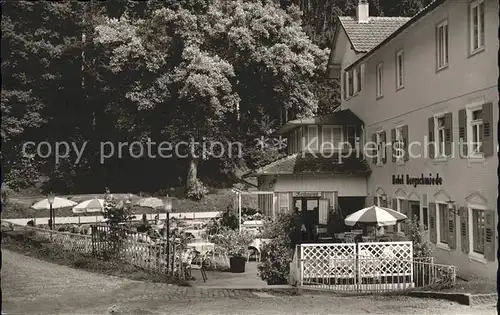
(331, 262)
(357, 267)
(385, 265)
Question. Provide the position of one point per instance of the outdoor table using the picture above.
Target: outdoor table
(196, 233)
(202, 247)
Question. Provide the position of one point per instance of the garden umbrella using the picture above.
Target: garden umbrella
(58, 203)
(375, 215)
(91, 205)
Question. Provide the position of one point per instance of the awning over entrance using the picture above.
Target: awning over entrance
(311, 164)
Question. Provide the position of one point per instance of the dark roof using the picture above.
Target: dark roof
(343, 117)
(433, 5)
(365, 36)
(310, 164)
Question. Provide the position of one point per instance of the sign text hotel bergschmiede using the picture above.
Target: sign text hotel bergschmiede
(415, 181)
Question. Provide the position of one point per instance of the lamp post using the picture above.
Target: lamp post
(50, 198)
(167, 206)
(451, 205)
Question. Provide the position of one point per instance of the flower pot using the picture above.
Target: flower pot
(277, 281)
(237, 264)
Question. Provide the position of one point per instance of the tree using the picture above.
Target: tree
(115, 212)
(205, 69)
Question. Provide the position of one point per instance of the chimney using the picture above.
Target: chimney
(362, 11)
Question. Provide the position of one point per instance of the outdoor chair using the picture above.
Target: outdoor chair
(197, 263)
(251, 250)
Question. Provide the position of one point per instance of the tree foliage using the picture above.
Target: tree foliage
(124, 71)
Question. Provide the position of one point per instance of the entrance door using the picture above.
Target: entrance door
(308, 209)
(415, 210)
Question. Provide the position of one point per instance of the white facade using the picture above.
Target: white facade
(443, 65)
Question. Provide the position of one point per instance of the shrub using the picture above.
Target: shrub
(278, 253)
(228, 219)
(5, 193)
(197, 190)
(233, 242)
(275, 261)
(421, 247)
(115, 213)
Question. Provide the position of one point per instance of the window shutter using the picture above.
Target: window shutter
(462, 132)
(452, 233)
(404, 210)
(394, 204)
(490, 250)
(448, 133)
(405, 143)
(464, 229)
(393, 144)
(431, 137)
(488, 144)
(374, 153)
(432, 222)
(384, 149)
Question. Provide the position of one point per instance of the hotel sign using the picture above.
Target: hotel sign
(415, 181)
(306, 194)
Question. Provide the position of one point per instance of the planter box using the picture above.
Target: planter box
(237, 264)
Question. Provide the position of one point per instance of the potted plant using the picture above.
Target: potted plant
(235, 244)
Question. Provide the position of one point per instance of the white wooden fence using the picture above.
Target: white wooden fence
(366, 267)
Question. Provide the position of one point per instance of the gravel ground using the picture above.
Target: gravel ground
(32, 286)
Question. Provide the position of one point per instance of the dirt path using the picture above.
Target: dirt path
(32, 286)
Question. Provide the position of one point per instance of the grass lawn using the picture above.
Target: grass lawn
(217, 201)
(17, 242)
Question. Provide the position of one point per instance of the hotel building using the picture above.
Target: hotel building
(413, 81)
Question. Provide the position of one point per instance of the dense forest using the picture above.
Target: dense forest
(123, 71)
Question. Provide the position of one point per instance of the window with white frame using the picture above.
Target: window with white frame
(283, 202)
(442, 44)
(476, 26)
(400, 73)
(380, 80)
(474, 130)
(295, 142)
(399, 143)
(439, 131)
(380, 147)
(478, 230)
(327, 138)
(332, 137)
(442, 216)
(312, 137)
(299, 139)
